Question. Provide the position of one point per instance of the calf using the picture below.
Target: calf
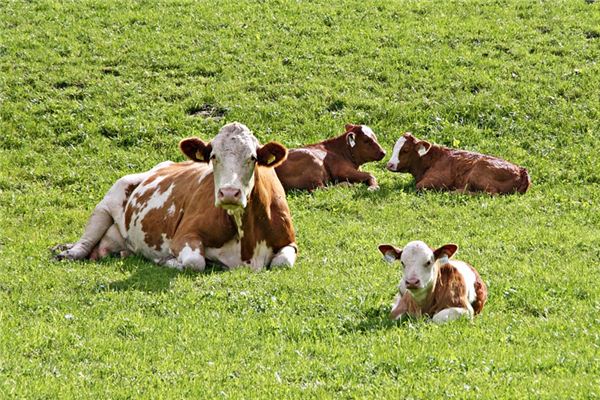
(437, 167)
(433, 285)
(333, 160)
(226, 205)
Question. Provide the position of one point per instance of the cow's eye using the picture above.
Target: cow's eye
(253, 158)
(428, 263)
(402, 262)
(213, 157)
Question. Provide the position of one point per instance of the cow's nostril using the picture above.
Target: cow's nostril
(230, 193)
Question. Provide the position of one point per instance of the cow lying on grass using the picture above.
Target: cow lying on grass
(437, 167)
(434, 286)
(226, 205)
(332, 161)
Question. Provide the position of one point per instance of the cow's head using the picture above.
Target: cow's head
(420, 263)
(233, 153)
(407, 152)
(363, 144)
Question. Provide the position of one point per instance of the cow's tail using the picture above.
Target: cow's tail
(524, 181)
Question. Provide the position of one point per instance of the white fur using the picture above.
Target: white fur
(136, 237)
(469, 277)
(368, 131)
(450, 314)
(286, 257)
(191, 258)
(233, 167)
(414, 256)
(422, 150)
(395, 159)
(230, 255)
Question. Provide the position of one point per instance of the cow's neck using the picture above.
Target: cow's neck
(425, 162)
(257, 211)
(339, 145)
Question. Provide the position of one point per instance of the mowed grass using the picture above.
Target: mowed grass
(93, 90)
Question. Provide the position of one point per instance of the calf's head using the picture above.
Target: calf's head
(420, 263)
(363, 144)
(407, 152)
(234, 154)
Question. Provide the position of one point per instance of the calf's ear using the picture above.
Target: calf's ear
(390, 253)
(351, 138)
(195, 149)
(423, 147)
(271, 154)
(447, 250)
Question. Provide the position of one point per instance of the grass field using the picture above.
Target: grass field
(93, 90)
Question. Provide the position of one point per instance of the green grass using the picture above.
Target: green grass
(93, 90)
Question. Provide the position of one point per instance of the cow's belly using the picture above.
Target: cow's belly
(230, 255)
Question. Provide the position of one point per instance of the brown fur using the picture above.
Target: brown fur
(448, 291)
(198, 223)
(464, 171)
(303, 169)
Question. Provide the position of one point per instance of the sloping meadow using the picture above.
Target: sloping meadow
(93, 90)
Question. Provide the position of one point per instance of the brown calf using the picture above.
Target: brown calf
(437, 167)
(332, 161)
(434, 286)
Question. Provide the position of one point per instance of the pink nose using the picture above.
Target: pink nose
(414, 283)
(230, 195)
(391, 166)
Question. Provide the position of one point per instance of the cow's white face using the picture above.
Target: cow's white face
(233, 159)
(420, 264)
(234, 153)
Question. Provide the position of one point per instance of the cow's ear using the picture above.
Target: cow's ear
(351, 138)
(195, 149)
(446, 250)
(271, 154)
(350, 127)
(423, 147)
(390, 253)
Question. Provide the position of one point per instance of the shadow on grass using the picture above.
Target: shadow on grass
(148, 277)
(373, 319)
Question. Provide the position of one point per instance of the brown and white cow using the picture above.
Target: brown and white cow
(332, 161)
(437, 167)
(434, 286)
(226, 206)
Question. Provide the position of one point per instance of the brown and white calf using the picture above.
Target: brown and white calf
(226, 205)
(332, 161)
(437, 167)
(433, 285)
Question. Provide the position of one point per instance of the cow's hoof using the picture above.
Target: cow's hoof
(373, 188)
(61, 248)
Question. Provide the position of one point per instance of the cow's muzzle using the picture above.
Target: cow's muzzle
(229, 197)
(392, 167)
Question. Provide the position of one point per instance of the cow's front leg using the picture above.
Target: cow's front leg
(186, 254)
(286, 257)
(450, 314)
(355, 176)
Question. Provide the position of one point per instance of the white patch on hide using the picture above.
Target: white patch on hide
(368, 131)
(469, 276)
(396, 152)
(284, 257)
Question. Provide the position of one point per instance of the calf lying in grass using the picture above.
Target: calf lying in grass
(434, 286)
(437, 167)
(334, 160)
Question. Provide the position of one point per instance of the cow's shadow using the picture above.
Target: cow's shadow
(146, 276)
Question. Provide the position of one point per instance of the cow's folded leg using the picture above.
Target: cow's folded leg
(286, 257)
(95, 229)
(450, 314)
(187, 254)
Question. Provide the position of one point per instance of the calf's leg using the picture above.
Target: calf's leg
(450, 314)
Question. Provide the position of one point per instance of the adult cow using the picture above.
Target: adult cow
(334, 160)
(226, 205)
